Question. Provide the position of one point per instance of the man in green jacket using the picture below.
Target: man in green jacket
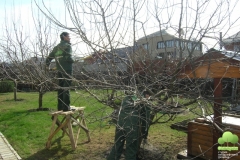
(62, 53)
(127, 129)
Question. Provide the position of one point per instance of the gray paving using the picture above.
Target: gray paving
(6, 150)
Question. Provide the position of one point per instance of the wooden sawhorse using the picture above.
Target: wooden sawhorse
(75, 115)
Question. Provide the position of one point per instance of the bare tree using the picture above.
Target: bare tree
(111, 27)
(24, 56)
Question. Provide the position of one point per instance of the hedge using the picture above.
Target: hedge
(6, 86)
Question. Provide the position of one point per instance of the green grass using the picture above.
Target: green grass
(27, 131)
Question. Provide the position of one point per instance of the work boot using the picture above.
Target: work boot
(146, 144)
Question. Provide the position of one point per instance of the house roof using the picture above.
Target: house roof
(159, 33)
(169, 32)
(232, 39)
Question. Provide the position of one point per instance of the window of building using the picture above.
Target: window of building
(160, 56)
(236, 48)
(179, 43)
(197, 46)
(189, 45)
(167, 44)
(145, 46)
(176, 43)
(170, 44)
(183, 45)
(160, 45)
(171, 55)
(168, 55)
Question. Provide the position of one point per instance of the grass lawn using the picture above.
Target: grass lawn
(27, 131)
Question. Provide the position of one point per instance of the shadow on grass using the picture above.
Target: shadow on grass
(54, 153)
(11, 117)
(40, 109)
(4, 94)
(12, 100)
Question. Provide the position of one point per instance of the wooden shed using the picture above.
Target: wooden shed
(203, 135)
(213, 64)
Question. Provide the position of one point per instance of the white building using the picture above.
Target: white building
(162, 44)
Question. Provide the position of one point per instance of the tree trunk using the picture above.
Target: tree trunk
(40, 98)
(15, 90)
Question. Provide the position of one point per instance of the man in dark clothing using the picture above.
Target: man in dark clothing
(127, 129)
(145, 116)
(62, 53)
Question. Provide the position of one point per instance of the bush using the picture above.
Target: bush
(6, 86)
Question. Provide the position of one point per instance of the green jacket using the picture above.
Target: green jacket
(128, 101)
(62, 54)
(129, 113)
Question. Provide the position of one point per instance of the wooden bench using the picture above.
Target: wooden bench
(75, 115)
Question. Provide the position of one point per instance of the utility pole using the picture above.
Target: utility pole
(220, 41)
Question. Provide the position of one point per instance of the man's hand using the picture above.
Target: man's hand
(53, 69)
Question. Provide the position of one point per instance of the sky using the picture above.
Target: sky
(22, 12)
(22, 15)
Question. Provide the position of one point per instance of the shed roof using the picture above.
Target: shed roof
(232, 39)
(213, 64)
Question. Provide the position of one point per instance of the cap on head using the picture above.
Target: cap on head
(63, 34)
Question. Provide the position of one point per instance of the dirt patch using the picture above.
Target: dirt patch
(156, 150)
(153, 153)
(163, 146)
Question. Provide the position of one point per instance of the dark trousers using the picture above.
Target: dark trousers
(64, 82)
(126, 130)
(145, 121)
